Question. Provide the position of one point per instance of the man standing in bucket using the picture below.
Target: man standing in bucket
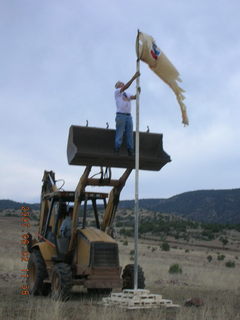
(124, 123)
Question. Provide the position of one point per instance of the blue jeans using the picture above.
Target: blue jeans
(124, 125)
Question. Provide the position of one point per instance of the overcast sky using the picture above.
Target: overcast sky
(59, 61)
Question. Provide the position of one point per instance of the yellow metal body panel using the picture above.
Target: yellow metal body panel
(85, 238)
(94, 235)
(47, 251)
(83, 252)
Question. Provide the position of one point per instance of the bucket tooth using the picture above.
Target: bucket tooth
(89, 146)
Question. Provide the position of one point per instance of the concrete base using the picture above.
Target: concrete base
(139, 299)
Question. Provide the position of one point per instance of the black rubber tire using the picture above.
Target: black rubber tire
(46, 289)
(36, 274)
(61, 281)
(128, 277)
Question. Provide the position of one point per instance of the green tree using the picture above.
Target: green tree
(175, 268)
(209, 258)
(230, 264)
(165, 246)
(224, 241)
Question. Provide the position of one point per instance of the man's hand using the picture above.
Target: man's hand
(127, 85)
(136, 75)
(135, 96)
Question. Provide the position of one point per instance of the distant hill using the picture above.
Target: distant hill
(9, 204)
(213, 206)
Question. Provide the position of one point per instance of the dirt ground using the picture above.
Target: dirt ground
(214, 283)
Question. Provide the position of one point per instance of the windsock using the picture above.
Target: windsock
(150, 53)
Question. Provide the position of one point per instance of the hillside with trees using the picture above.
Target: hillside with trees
(212, 206)
(209, 206)
(10, 204)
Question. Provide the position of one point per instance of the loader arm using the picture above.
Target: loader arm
(111, 208)
(79, 192)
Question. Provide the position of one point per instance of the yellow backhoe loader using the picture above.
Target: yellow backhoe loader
(89, 256)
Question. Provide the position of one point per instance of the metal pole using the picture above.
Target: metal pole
(136, 207)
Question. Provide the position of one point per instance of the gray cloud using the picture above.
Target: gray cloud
(59, 63)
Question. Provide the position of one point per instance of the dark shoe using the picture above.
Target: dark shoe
(130, 152)
(116, 151)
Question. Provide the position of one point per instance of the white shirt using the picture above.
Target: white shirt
(123, 101)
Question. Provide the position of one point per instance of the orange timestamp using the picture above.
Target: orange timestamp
(25, 224)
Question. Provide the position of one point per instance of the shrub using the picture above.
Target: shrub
(34, 217)
(126, 232)
(119, 224)
(221, 257)
(230, 264)
(207, 235)
(209, 258)
(224, 241)
(10, 214)
(187, 250)
(186, 236)
(175, 268)
(154, 249)
(132, 252)
(125, 243)
(165, 246)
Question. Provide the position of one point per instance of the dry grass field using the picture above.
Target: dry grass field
(217, 285)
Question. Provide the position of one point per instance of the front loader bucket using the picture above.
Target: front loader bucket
(90, 146)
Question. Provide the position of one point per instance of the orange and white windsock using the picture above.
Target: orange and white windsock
(150, 53)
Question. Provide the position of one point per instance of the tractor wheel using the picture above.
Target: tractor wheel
(128, 277)
(61, 281)
(36, 274)
(46, 289)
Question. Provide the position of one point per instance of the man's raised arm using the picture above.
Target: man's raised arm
(127, 85)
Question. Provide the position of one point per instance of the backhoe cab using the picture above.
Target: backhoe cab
(89, 255)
